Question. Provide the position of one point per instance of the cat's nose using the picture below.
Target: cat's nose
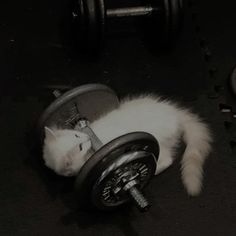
(68, 173)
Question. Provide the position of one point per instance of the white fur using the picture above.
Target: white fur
(62, 150)
(164, 120)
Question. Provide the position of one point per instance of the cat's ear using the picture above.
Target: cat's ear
(49, 133)
(87, 144)
(84, 138)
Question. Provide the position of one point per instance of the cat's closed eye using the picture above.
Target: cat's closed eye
(77, 136)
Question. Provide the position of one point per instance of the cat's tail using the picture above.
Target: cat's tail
(198, 139)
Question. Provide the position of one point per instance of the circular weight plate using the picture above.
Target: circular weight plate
(90, 101)
(78, 22)
(232, 81)
(173, 17)
(101, 12)
(89, 19)
(115, 172)
(91, 171)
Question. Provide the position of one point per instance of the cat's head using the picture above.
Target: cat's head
(65, 151)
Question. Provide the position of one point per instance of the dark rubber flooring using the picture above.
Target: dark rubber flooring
(34, 57)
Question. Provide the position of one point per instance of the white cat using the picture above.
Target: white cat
(65, 151)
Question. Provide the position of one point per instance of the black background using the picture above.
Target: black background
(34, 55)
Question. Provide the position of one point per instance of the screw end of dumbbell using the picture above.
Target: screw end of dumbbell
(145, 208)
(139, 199)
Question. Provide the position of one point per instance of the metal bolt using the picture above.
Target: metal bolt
(140, 201)
(56, 93)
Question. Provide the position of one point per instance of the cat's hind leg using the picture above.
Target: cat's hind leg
(165, 160)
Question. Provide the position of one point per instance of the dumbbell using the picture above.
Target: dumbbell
(117, 171)
(91, 16)
(232, 81)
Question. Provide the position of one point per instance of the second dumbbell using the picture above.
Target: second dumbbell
(90, 17)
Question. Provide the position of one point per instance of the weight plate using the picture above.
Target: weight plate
(173, 17)
(90, 101)
(78, 21)
(91, 171)
(101, 12)
(233, 81)
(90, 19)
(108, 191)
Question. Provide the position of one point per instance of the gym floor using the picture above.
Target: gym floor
(34, 59)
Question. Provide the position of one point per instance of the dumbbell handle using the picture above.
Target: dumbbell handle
(130, 11)
(83, 125)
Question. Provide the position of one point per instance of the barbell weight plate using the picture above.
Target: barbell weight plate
(90, 101)
(173, 17)
(78, 21)
(95, 22)
(232, 81)
(166, 19)
(92, 169)
(89, 21)
(102, 12)
(108, 191)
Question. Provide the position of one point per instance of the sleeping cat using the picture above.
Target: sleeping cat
(65, 151)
